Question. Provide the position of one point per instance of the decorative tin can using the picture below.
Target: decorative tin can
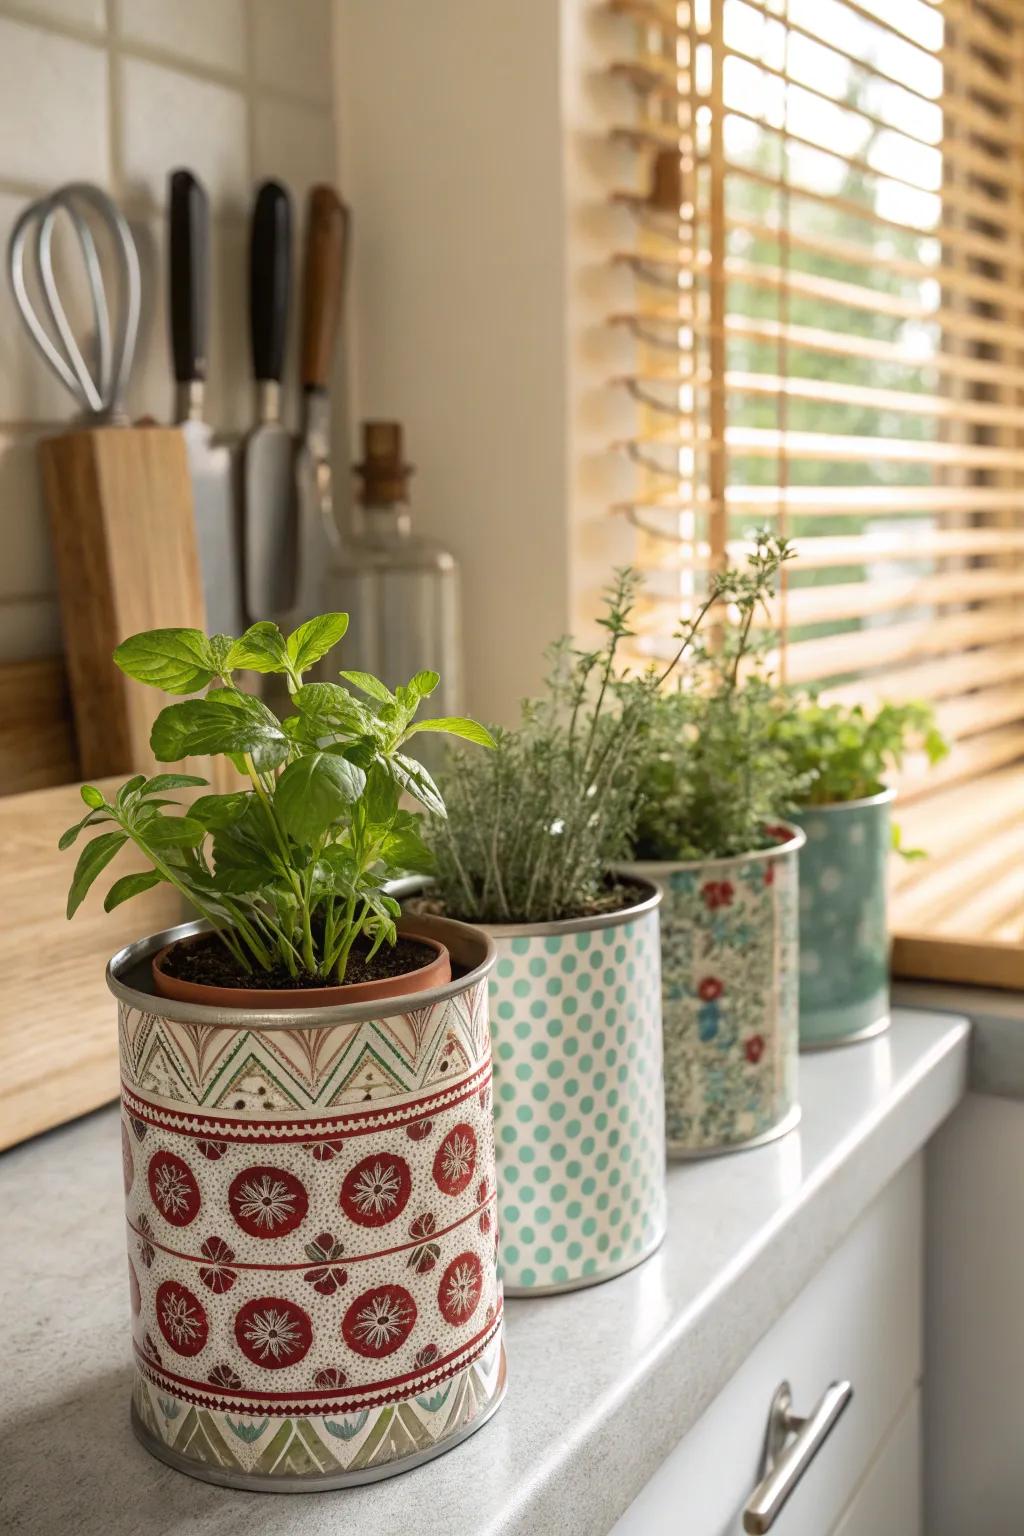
(578, 1098)
(311, 1227)
(844, 942)
(729, 997)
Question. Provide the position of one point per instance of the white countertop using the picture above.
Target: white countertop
(602, 1382)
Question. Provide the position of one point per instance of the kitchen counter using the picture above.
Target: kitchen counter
(996, 1063)
(603, 1382)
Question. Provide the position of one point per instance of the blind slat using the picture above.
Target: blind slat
(828, 336)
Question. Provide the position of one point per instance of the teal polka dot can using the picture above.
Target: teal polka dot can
(844, 946)
(579, 1098)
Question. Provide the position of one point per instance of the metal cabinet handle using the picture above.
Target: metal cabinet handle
(784, 1464)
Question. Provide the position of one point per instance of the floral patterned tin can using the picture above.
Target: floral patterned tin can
(729, 997)
(578, 1097)
(310, 1201)
(844, 941)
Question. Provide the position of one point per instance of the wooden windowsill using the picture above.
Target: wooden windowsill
(958, 916)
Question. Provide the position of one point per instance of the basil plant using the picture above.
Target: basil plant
(289, 868)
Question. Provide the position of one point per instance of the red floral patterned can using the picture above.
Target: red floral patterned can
(311, 1227)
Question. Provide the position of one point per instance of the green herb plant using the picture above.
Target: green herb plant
(534, 826)
(841, 753)
(713, 774)
(290, 868)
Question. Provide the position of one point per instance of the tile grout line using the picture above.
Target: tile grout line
(242, 81)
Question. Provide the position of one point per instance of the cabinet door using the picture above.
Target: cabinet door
(858, 1319)
(888, 1502)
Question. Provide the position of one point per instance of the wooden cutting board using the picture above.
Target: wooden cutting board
(122, 520)
(37, 742)
(58, 1024)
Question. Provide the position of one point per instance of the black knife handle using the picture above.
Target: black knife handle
(189, 276)
(270, 262)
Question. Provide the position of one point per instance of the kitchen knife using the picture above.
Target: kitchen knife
(327, 221)
(209, 462)
(268, 479)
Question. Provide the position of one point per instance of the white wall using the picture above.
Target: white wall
(473, 153)
(120, 92)
(974, 1351)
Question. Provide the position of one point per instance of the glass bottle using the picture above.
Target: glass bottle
(400, 590)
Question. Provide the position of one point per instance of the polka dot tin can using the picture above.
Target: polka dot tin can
(578, 1098)
(844, 941)
(729, 938)
(311, 1227)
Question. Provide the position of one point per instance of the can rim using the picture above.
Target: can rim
(469, 946)
(650, 867)
(416, 885)
(884, 797)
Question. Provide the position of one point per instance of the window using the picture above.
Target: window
(828, 254)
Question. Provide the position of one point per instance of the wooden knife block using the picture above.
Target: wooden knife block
(122, 519)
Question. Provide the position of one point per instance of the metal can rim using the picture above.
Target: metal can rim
(473, 943)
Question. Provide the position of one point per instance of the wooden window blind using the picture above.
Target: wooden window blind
(827, 254)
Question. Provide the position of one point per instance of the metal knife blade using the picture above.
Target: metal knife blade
(268, 482)
(210, 462)
(327, 223)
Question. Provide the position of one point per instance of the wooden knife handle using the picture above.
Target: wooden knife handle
(327, 221)
(189, 276)
(270, 275)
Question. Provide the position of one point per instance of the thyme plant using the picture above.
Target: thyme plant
(290, 869)
(534, 826)
(713, 773)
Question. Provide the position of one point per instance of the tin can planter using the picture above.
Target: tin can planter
(310, 1203)
(729, 997)
(844, 942)
(578, 1098)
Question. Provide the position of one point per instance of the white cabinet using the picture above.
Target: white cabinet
(888, 1502)
(860, 1318)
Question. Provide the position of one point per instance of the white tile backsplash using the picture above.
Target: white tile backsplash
(236, 90)
(53, 107)
(292, 46)
(170, 119)
(210, 32)
(293, 144)
(79, 13)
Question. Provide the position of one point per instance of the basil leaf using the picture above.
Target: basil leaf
(207, 725)
(367, 683)
(215, 811)
(313, 792)
(311, 641)
(93, 859)
(261, 649)
(128, 886)
(329, 707)
(173, 832)
(162, 781)
(413, 777)
(423, 684)
(67, 838)
(175, 660)
(456, 725)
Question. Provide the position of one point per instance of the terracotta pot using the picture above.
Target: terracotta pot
(311, 1226)
(434, 974)
(729, 931)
